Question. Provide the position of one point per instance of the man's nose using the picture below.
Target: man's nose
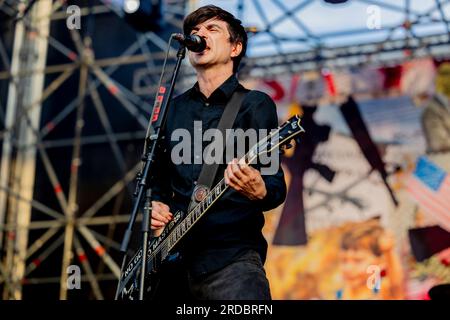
(202, 32)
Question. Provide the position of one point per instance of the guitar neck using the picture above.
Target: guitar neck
(213, 195)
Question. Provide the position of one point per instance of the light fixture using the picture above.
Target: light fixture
(131, 6)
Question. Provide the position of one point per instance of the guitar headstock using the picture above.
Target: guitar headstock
(280, 138)
(289, 130)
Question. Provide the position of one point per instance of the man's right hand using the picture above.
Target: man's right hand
(160, 217)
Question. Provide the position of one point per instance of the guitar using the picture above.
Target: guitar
(161, 248)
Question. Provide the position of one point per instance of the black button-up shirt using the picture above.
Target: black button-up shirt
(234, 222)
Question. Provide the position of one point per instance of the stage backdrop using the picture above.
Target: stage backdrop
(367, 213)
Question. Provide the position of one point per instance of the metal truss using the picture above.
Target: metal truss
(385, 53)
(391, 49)
(302, 49)
(396, 42)
(66, 232)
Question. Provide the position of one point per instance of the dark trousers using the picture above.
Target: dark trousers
(242, 279)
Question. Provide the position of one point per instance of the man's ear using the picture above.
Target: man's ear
(236, 49)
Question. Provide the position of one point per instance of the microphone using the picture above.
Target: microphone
(193, 42)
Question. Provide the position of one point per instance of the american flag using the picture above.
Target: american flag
(429, 185)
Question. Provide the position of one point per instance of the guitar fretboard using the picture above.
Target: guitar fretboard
(194, 215)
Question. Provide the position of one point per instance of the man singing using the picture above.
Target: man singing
(225, 251)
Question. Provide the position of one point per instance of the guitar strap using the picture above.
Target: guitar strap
(209, 171)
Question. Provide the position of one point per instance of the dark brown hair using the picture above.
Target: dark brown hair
(235, 28)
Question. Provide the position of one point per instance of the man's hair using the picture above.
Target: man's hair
(235, 28)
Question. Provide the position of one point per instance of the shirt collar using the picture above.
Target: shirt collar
(224, 91)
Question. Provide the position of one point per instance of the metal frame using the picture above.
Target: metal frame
(69, 230)
(74, 225)
(320, 54)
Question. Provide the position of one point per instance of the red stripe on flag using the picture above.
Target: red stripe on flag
(435, 196)
(445, 188)
(431, 206)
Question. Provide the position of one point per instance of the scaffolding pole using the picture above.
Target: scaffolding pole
(28, 51)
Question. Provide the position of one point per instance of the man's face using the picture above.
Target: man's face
(219, 50)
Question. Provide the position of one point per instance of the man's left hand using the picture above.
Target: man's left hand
(245, 180)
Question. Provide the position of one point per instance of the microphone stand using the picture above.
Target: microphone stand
(152, 141)
(145, 232)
